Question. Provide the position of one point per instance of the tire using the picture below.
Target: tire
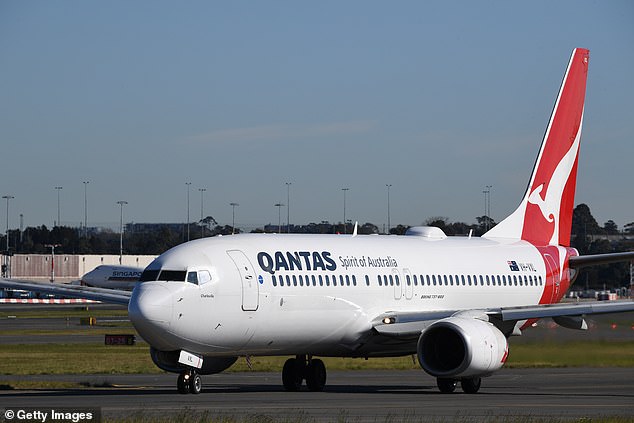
(182, 385)
(471, 385)
(316, 375)
(446, 386)
(195, 384)
(292, 376)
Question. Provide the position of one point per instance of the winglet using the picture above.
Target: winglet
(544, 217)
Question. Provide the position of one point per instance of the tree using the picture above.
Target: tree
(610, 227)
(209, 223)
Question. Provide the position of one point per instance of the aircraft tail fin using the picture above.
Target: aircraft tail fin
(544, 217)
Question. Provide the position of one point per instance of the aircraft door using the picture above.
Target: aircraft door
(552, 274)
(250, 286)
(398, 284)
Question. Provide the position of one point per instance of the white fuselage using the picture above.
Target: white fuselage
(320, 294)
(113, 277)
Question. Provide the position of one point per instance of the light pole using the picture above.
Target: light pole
(279, 216)
(288, 207)
(188, 186)
(8, 197)
(487, 206)
(388, 208)
(86, 208)
(52, 247)
(121, 203)
(58, 214)
(202, 228)
(233, 218)
(345, 190)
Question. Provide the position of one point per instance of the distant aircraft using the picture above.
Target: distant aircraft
(452, 301)
(113, 277)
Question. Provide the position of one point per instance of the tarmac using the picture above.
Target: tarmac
(354, 396)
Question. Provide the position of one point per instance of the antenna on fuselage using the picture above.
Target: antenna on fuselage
(356, 227)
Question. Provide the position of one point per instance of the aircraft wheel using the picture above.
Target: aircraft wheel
(183, 383)
(195, 383)
(446, 386)
(316, 375)
(471, 385)
(292, 375)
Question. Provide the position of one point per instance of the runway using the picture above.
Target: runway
(358, 396)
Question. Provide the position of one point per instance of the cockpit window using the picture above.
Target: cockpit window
(172, 275)
(149, 275)
(192, 277)
(203, 277)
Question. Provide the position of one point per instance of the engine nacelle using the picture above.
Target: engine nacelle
(168, 361)
(461, 347)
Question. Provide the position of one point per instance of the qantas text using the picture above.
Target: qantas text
(296, 260)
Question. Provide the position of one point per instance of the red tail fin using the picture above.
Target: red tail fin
(544, 217)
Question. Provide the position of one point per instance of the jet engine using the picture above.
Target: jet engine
(461, 347)
(168, 361)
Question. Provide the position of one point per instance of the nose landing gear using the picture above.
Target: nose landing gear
(189, 382)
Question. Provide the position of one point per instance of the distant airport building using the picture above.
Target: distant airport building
(67, 267)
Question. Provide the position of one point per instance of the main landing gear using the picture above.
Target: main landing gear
(301, 368)
(189, 382)
(469, 385)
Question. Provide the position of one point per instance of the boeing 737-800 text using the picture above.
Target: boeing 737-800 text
(452, 301)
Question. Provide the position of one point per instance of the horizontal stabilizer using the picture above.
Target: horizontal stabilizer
(591, 260)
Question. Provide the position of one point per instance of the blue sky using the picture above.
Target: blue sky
(436, 98)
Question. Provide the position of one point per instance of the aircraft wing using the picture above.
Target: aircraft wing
(112, 296)
(410, 324)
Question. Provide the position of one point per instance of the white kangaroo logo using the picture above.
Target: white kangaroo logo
(550, 204)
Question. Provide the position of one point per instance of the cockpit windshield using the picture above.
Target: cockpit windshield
(163, 275)
(149, 275)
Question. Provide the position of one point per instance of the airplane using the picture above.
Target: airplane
(451, 301)
(113, 277)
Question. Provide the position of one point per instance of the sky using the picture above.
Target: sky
(436, 98)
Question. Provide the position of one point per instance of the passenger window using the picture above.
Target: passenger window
(192, 277)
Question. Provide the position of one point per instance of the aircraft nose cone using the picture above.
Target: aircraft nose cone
(150, 307)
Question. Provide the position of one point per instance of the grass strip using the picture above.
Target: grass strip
(91, 358)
